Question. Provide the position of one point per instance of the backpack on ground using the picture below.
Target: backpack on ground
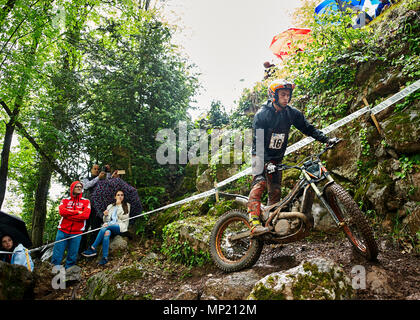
(21, 256)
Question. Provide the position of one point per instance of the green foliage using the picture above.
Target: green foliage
(216, 117)
(179, 250)
(407, 164)
(364, 142)
(140, 85)
(151, 197)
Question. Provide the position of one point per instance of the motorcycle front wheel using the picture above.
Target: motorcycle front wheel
(352, 221)
(228, 255)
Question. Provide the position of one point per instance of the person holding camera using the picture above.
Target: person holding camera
(89, 185)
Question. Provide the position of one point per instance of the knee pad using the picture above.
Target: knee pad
(258, 179)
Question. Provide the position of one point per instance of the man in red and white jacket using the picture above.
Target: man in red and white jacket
(74, 212)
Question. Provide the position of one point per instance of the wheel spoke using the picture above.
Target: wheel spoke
(233, 250)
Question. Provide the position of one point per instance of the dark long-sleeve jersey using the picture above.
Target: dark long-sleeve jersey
(276, 126)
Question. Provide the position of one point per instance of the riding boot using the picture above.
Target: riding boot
(254, 208)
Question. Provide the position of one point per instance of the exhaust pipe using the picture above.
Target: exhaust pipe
(242, 201)
(291, 215)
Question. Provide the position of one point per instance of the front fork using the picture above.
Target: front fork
(321, 196)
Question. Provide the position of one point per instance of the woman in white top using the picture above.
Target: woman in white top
(115, 222)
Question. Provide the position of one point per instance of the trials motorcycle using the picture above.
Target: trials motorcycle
(234, 248)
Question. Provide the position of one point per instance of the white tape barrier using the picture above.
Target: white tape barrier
(300, 144)
(296, 146)
(396, 97)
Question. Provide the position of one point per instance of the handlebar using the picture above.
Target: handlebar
(282, 166)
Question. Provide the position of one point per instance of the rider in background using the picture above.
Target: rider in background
(274, 119)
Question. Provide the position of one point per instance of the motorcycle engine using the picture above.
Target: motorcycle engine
(284, 227)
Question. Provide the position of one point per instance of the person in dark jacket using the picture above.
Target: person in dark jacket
(271, 128)
(89, 186)
(74, 212)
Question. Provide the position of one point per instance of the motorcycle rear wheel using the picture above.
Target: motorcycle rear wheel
(354, 223)
(231, 256)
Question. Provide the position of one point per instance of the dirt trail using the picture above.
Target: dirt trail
(395, 276)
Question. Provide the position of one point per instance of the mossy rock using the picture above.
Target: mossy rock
(186, 240)
(195, 230)
(16, 282)
(316, 279)
(402, 130)
(343, 159)
(221, 207)
(106, 285)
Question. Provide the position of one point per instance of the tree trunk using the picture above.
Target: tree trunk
(4, 166)
(40, 208)
(13, 117)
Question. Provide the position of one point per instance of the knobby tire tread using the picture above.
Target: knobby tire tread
(249, 259)
(364, 227)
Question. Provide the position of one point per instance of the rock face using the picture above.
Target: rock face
(316, 279)
(16, 282)
(402, 130)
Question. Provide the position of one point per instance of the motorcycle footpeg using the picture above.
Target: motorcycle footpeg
(258, 231)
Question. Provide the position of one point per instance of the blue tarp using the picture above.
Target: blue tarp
(338, 5)
(334, 4)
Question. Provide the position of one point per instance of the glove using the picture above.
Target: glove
(332, 141)
(271, 168)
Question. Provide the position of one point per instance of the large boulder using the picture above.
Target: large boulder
(219, 172)
(193, 230)
(349, 150)
(235, 286)
(411, 222)
(379, 195)
(16, 282)
(316, 279)
(111, 284)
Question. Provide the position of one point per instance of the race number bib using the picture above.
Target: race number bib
(277, 140)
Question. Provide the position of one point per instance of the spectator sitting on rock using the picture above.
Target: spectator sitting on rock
(115, 222)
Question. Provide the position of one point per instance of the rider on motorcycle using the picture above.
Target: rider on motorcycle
(275, 119)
